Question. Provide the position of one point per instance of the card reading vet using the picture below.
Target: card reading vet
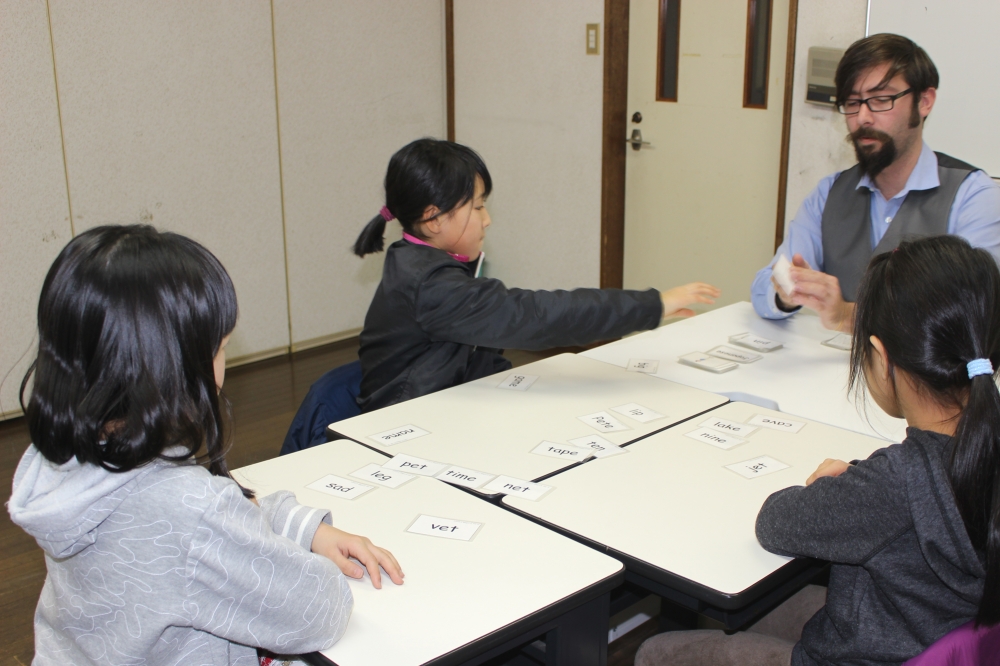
(446, 528)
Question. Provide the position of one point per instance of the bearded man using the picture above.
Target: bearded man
(899, 189)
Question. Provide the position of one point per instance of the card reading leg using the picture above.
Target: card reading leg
(446, 528)
(389, 478)
(338, 487)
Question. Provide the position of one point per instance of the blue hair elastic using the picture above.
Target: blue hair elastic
(980, 366)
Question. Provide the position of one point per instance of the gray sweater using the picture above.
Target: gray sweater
(904, 570)
(167, 564)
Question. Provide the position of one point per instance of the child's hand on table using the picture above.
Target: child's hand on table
(676, 300)
(828, 467)
(340, 546)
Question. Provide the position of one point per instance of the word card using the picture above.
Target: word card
(730, 427)
(414, 465)
(642, 365)
(730, 354)
(637, 412)
(564, 451)
(777, 423)
(445, 528)
(603, 422)
(338, 487)
(517, 382)
(782, 272)
(762, 466)
(715, 438)
(706, 362)
(397, 435)
(599, 447)
(508, 485)
(389, 478)
(839, 341)
(755, 342)
(468, 478)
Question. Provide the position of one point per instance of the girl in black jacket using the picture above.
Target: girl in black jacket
(434, 323)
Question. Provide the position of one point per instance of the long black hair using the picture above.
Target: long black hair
(130, 320)
(426, 172)
(935, 305)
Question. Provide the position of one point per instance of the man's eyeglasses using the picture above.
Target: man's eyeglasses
(875, 104)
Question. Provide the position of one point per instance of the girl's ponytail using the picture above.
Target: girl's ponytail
(371, 239)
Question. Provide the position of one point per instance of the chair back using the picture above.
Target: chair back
(332, 398)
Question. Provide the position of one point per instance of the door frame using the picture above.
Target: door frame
(616, 17)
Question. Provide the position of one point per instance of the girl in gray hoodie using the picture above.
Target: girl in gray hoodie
(154, 554)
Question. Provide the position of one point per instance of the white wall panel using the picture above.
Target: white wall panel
(34, 215)
(529, 100)
(169, 118)
(356, 82)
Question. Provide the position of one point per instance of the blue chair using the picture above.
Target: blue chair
(332, 398)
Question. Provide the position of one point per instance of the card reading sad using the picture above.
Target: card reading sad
(762, 466)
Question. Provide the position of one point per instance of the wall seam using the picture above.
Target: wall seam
(62, 134)
(281, 178)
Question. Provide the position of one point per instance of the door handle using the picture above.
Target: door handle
(636, 140)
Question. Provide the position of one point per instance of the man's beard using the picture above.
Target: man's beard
(871, 160)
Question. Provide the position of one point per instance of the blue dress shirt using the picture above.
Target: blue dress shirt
(975, 216)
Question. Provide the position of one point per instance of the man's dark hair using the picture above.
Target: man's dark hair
(902, 55)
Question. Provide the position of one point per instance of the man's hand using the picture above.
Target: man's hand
(676, 300)
(828, 467)
(820, 292)
(339, 546)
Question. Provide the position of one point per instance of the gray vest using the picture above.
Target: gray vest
(847, 219)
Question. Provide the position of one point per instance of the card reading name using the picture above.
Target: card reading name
(755, 342)
(599, 447)
(715, 438)
(732, 354)
(637, 412)
(777, 423)
(603, 422)
(338, 487)
(381, 476)
(397, 435)
(840, 341)
(446, 528)
(730, 427)
(517, 382)
(762, 466)
(414, 465)
(468, 478)
(642, 365)
(564, 451)
(508, 485)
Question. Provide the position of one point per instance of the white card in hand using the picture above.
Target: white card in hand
(783, 274)
(738, 355)
(517, 382)
(706, 362)
(603, 422)
(637, 412)
(642, 365)
(446, 528)
(338, 487)
(755, 342)
(762, 466)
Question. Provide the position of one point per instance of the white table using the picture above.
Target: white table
(681, 521)
(491, 430)
(804, 378)
(461, 599)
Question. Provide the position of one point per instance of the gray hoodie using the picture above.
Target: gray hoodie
(167, 564)
(904, 570)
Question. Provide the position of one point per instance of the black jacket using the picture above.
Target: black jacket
(432, 325)
(904, 570)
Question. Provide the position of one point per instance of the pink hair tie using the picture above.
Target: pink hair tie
(386, 214)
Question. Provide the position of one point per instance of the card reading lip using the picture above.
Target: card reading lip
(762, 466)
(445, 528)
(517, 382)
(715, 438)
(563, 451)
(340, 487)
(637, 412)
(600, 447)
(777, 423)
(508, 485)
(647, 366)
(397, 435)
(414, 465)
(603, 422)
(381, 476)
